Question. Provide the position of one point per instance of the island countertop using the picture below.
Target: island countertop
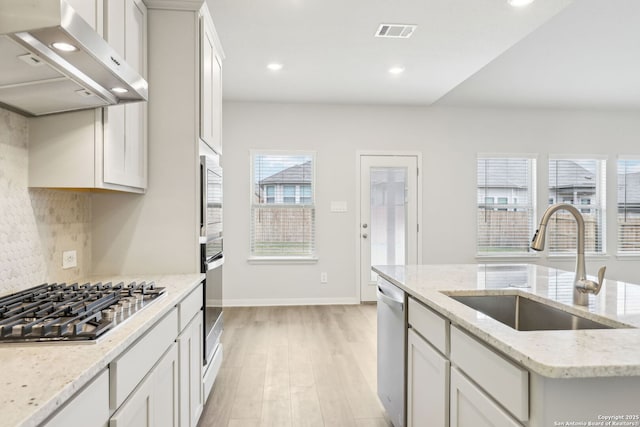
(38, 378)
(554, 354)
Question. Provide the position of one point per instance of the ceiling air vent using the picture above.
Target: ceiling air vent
(395, 31)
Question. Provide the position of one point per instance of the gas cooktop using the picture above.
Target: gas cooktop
(61, 312)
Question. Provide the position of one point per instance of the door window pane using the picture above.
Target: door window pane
(388, 216)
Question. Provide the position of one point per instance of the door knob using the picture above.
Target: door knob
(364, 225)
(365, 235)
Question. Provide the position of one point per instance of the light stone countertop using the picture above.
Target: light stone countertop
(554, 354)
(37, 378)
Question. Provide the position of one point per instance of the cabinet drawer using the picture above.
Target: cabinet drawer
(128, 370)
(430, 325)
(499, 377)
(189, 307)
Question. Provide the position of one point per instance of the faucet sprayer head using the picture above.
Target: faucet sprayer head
(537, 243)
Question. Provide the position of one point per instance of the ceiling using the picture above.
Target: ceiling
(473, 51)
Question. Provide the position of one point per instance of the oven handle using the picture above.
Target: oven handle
(204, 191)
(215, 263)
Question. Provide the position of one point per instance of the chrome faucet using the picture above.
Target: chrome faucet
(581, 286)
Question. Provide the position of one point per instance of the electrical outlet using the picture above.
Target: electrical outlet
(323, 277)
(69, 259)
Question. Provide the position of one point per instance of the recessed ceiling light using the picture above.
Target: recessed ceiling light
(64, 47)
(274, 66)
(119, 90)
(396, 70)
(520, 3)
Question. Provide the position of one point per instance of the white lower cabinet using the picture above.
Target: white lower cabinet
(471, 407)
(154, 403)
(427, 384)
(190, 345)
(156, 382)
(90, 407)
(453, 380)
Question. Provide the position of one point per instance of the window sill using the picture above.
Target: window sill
(569, 257)
(628, 257)
(507, 258)
(282, 260)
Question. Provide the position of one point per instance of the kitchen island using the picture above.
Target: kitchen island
(39, 378)
(541, 377)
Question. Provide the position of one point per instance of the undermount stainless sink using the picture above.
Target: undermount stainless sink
(524, 314)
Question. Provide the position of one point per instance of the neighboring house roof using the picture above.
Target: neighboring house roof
(632, 182)
(570, 175)
(298, 174)
(515, 176)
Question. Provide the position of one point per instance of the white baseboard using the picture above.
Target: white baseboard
(265, 302)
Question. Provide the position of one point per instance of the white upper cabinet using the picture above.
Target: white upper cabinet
(103, 148)
(125, 126)
(210, 84)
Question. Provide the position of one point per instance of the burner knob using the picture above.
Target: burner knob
(108, 314)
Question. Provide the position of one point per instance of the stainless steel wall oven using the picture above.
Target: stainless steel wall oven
(211, 249)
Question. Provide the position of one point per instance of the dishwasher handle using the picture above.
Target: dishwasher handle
(393, 303)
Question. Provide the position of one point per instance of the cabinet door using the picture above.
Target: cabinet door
(137, 410)
(125, 146)
(191, 347)
(154, 402)
(427, 384)
(210, 85)
(471, 407)
(166, 389)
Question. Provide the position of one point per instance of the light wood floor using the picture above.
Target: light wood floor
(297, 366)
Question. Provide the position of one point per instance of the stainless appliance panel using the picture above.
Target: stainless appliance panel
(45, 80)
(211, 224)
(211, 248)
(391, 350)
(213, 320)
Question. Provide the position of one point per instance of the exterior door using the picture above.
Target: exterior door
(388, 215)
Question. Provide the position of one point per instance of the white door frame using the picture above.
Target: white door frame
(357, 231)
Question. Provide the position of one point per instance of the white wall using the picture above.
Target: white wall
(449, 139)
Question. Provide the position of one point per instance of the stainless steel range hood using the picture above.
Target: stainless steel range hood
(36, 78)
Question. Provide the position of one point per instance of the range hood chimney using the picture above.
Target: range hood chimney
(52, 61)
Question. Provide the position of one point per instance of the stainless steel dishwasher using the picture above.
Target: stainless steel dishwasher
(391, 350)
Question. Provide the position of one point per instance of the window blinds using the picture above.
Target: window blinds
(282, 205)
(505, 205)
(579, 182)
(628, 206)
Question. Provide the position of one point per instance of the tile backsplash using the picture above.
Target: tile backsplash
(36, 225)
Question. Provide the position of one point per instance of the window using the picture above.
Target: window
(289, 195)
(503, 228)
(270, 192)
(628, 206)
(305, 194)
(282, 205)
(579, 182)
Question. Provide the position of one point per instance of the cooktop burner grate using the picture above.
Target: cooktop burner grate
(61, 312)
